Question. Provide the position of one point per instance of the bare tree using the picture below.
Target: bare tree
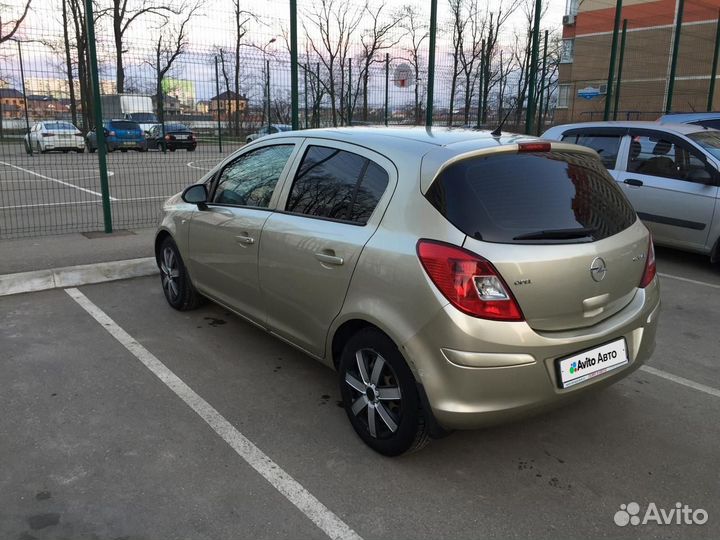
(124, 13)
(376, 38)
(417, 31)
(331, 23)
(9, 26)
(458, 24)
(170, 44)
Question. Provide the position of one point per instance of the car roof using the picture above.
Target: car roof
(679, 128)
(688, 117)
(380, 138)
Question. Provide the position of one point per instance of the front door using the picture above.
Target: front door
(224, 240)
(671, 188)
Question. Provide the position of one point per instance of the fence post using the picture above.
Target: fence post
(611, 68)
(317, 80)
(217, 105)
(431, 64)
(99, 130)
(711, 92)
(676, 48)
(349, 98)
(530, 111)
(161, 114)
(25, 99)
(294, 90)
(620, 68)
(542, 86)
(480, 86)
(387, 85)
(269, 109)
(305, 68)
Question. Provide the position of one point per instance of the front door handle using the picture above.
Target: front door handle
(245, 240)
(633, 182)
(329, 259)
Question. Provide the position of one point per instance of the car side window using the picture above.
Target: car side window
(251, 179)
(607, 146)
(710, 123)
(337, 184)
(656, 156)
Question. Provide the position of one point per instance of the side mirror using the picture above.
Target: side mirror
(196, 194)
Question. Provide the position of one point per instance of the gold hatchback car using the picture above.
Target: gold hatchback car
(455, 279)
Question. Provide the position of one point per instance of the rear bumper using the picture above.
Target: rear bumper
(127, 145)
(477, 373)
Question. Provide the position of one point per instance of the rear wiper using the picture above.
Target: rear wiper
(558, 234)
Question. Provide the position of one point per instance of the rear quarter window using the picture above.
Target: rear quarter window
(501, 198)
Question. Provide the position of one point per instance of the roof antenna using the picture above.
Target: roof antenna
(497, 132)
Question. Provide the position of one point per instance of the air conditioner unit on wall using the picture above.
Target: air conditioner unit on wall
(568, 20)
(603, 89)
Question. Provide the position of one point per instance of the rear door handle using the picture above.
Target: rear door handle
(329, 259)
(245, 240)
(633, 182)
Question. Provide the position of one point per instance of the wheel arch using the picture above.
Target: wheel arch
(160, 237)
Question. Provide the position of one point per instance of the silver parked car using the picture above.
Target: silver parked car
(268, 130)
(669, 172)
(453, 278)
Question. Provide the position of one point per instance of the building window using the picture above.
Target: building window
(563, 96)
(568, 51)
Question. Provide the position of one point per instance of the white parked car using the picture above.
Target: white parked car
(54, 135)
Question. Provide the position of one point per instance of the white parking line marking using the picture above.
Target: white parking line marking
(682, 380)
(43, 205)
(293, 491)
(688, 280)
(68, 184)
(192, 164)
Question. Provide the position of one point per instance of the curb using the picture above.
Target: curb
(74, 276)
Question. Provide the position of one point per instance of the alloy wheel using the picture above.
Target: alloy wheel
(377, 399)
(170, 270)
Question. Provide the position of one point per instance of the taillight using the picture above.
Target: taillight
(169, 137)
(534, 147)
(111, 133)
(650, 269)
(468, 281)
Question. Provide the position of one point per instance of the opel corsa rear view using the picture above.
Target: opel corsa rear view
(454, 279)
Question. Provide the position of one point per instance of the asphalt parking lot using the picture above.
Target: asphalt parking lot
(55, 192)
(126, 419)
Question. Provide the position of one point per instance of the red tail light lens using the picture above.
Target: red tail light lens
(169, 137)
(468, 281)
(650, 269)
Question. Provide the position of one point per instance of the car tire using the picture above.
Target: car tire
(172, 149)
(80, 150)
(190, 149)
(28, 150)
(389, 426)
(91, 149)
(179, 291)
(39, 148)
(123, 150)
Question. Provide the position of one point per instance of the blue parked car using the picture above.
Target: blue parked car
(120, 135)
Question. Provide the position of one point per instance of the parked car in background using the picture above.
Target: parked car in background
(669, 172)
(705, 119)
(57, 135)
(268, 130)
(177, 136)
(453, 278)
(120, 135)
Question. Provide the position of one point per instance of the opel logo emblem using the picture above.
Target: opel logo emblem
(598, 269)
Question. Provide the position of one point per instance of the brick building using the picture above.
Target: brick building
(587, 37)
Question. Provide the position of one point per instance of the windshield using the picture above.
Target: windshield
(143, 117)
(708, 140)
(52, 126)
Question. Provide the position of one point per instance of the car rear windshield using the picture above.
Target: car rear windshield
(125, 125)
(545, 198)
(175, 128)
(60, 126)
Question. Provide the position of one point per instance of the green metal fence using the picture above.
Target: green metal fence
(224, 69)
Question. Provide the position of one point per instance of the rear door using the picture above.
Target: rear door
(225, 239)
(309, 250)
(671, 186)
